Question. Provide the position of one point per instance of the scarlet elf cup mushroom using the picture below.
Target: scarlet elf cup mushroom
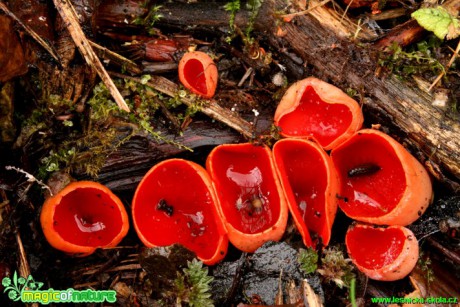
(198, 73)
(314, 109)
(382, 253)
(252, 203)
(82, 217)
(310, 184)
(175, 203)
(381, 182)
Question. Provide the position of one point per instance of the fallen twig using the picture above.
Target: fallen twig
(211, 108)
(452, 59)
(288, 17)
(116, 58)
(30, 177)
(127, 267)
(70, 18)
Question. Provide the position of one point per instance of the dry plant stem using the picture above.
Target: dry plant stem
(23, 264)
(116, 58)
(70, 18)
(389, 14)
(127, 267)
(306, 11)
(30, 178)
(279, 294)
(452, 59)
(211, 109)
(403, 34)
(453, 256)
(31, 32)
(158, 68)
(346, 10)
(245, 76)
(24, 268)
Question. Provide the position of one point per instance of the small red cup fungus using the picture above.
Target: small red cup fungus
(382, 253)
(381, 182)
(252, 202)
(175, 203)
(310, 184)
(198, 73)
(82, 217)
(312, 108)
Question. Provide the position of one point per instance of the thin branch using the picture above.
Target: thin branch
(30, 177)
(70, 18)
(290, 16)
(116, 58)
(346, 10)
(452, 59)
(211, 108)
(31, 32)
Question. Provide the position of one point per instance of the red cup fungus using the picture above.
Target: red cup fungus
(385, 254)
(82, 217)
(252, 202)
(198, 73)
(312, 108)
(310, 184)
(175, 203)
(381, 182)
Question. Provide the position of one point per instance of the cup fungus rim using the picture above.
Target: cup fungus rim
(221, 227)
(333, 185)
(57, 241)
(328, 93)
(245, 241)
(416, 177)
(401, 266)
(210, 72)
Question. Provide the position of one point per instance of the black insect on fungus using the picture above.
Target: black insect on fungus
(364, 169)
(163, 206)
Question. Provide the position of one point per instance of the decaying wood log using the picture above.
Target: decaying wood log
(329, 49)
(125, 168)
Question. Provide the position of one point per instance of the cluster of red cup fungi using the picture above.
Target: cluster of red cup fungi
(245, 192)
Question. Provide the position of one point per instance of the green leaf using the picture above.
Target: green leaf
(439, 21)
